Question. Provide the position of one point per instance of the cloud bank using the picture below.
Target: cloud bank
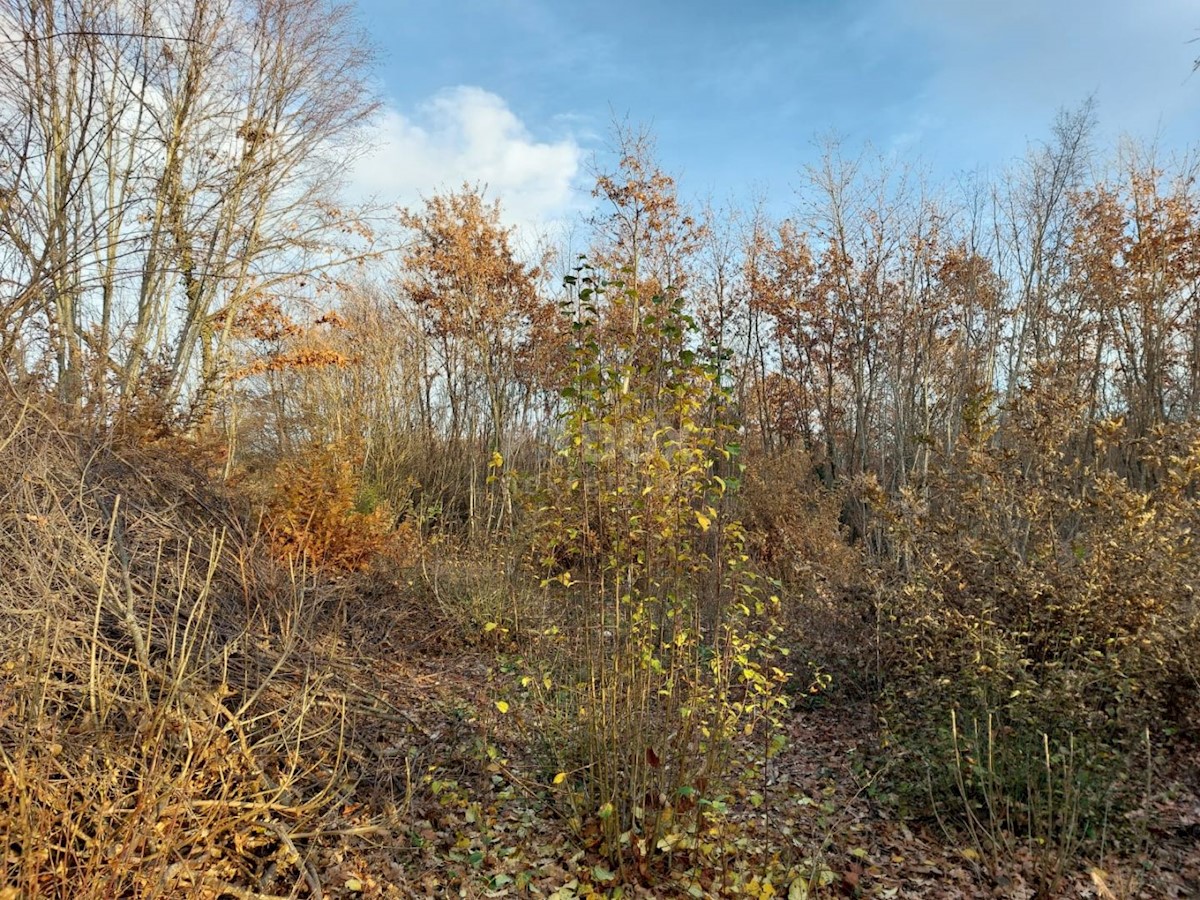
(467, 134)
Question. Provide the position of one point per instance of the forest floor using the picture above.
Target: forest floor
(451, 802)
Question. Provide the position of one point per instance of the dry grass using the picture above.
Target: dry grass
(164, 730)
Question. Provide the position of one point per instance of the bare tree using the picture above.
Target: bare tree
(1035, 225)
(162, 164)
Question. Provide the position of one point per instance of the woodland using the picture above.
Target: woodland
(353, 551)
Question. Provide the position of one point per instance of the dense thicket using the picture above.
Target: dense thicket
(967, 440)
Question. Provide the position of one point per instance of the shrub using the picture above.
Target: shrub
(1040, 623)
(321, 513)
(664, 639)
(795, 536)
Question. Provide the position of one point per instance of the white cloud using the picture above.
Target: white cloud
(467, 134)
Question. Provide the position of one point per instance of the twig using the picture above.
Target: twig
(310, 871)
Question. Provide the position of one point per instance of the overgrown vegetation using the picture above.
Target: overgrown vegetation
(664, 640)
(827, 556)
(162, 734)
(1043, 606)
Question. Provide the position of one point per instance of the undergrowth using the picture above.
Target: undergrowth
(161, 734)
(661, 641)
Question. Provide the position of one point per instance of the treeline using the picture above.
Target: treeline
(868, 330)
(171, 239)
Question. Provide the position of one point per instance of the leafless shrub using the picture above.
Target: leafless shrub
(162, 729)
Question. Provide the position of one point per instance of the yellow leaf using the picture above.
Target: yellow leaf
(560, 777)
(705, 521)
(496, 461)
(502, 705)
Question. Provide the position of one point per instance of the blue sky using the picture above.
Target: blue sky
(520, 93)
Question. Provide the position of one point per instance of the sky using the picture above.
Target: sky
(520, 95)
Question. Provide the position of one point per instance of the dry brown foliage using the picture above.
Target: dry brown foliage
(1039, 630)
(316, 513)
(161, 734)
(793, 523)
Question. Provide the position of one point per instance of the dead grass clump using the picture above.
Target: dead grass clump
(162, 731)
